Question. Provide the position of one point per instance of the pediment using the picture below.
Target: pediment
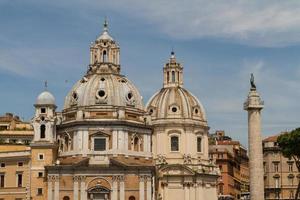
(99, 133)
(174, 170)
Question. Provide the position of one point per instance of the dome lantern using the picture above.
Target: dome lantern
(173, 73)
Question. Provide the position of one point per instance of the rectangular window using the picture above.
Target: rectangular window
(2, 180)
(2, 165)
(19, 180)
(99, 144)
(199, 144)
(43, 110)
(275, 165)
(174, 143)
(20, 164)
(276, 182)
(40, 191)
(41, 156)
(290, 167)
(40, 174)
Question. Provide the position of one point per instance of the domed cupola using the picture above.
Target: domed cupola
(45, 98)
(173, 101)
(103, 86)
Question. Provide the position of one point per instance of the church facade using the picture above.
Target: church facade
(105, 144)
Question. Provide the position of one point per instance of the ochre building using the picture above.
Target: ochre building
(233, 161)
(105, 144)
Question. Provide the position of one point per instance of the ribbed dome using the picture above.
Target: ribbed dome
(45, 98)
(104, 90)
(175, 103)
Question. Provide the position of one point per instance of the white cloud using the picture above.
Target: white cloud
(260, 23)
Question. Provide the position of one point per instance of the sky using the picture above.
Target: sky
(219, 44)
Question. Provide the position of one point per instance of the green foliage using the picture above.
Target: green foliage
(289, 144)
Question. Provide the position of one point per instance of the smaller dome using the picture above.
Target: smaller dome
(105, 36)
(45, 98)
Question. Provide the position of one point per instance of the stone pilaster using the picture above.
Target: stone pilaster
(142, 187)
(122, 187)
(254, 105)
(50, 188)
(56, 187)
(76, 180)
(83, 194)
(148, 187)
(114, 194)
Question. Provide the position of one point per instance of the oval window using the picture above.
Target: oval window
(74, 95)
(129, 95)
(196, 111)
(174, 109)
(101, 93)
(102, 79)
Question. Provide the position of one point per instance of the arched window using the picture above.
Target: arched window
(199, 144)
(43, 131)
(173, 76)
(67, 143)
(104, 56)
(66, 198)
(168, 77)
(136, 144)
(174, 143)
(131, 198)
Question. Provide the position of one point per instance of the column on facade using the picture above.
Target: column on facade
(50, 190)
(122, 187)
(165, 190)
(75, 187)
(56, 187)
(142, 187)
(114, 193)
(83, 195)
(186, 187)
(149, 187)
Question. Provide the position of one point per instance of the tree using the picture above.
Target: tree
(289, 144)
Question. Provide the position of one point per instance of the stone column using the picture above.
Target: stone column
(149, 187)
(114, 194)
(165, 190)
(142, 188)
(83, 194)
(186, 187)
(122, 187)
(254, 105)
(56, 187)
(50, 190)
(75, 187)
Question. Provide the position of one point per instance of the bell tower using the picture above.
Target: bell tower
(173, 73)
(43, 146)
(104, 53)
(44, 119)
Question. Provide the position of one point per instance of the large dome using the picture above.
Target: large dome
(175, 103)
(104, 89)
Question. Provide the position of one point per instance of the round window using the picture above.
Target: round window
(101, 93)
(123, 81)
(174, 109)
(129, 95)
(102, 79)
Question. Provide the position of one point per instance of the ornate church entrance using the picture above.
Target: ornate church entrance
(98, 193)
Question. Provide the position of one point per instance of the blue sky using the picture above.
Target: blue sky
(219, 44)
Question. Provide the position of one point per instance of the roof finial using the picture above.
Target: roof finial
(253, 86)
(172, 53)
(105, 25)
(46, 85)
